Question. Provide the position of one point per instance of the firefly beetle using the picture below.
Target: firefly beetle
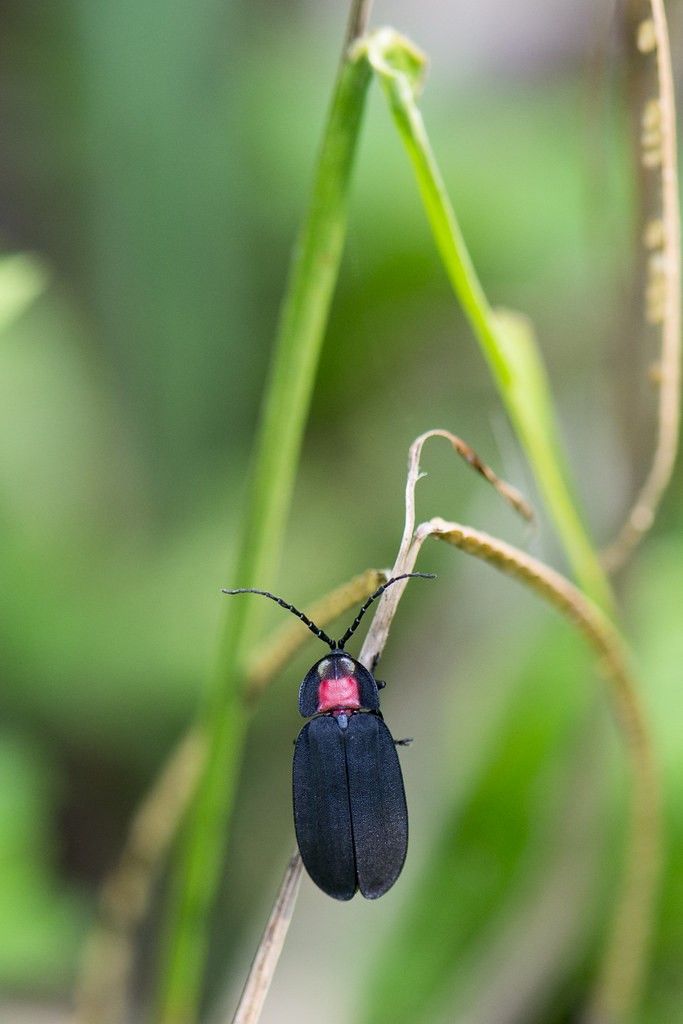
(350, 812)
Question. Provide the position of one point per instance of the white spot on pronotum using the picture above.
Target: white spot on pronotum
(646, 36)
(346, 665)
(324, 668)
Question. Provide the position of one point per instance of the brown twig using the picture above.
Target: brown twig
(376, 639)
(268, 953)
(661, 239)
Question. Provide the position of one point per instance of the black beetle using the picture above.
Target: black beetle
(350, 810)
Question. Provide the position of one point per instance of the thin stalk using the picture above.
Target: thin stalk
(270, 947)
(223, 718)
(661, 238)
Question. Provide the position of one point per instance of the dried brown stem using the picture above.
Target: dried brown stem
(268, 953)
(661, 238)
(377, 638)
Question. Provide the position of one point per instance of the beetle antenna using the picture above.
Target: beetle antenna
(320, 633)
(340, 644)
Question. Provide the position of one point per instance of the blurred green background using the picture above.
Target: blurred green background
(155, 164)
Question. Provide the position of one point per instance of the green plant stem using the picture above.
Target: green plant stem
(512, 356)
(224, 718)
